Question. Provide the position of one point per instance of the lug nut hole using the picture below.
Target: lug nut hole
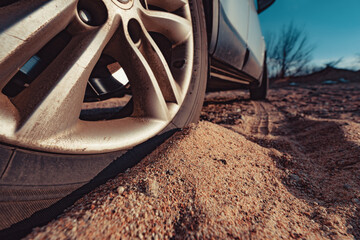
(92, 12)
(85, 16)
(134, 29)
(179, 63)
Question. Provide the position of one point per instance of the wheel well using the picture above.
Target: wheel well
(208, 9)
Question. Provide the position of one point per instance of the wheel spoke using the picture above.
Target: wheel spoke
(160, 68)
(52, 103)
(169, 5)
(149, 101)
(177, 29)
(25, 27)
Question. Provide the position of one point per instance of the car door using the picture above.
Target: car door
(240, 43)
(233, 32)
(255, 43)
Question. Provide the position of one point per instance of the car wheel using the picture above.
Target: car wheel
(82, 82)
(260, 92)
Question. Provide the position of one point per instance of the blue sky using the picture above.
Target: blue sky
(333, 26)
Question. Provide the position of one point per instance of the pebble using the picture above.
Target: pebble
(295, 177)
(154, 188)
(356, 200)
(347, 186)
(325, 228)
(120, 190)
(223, 161)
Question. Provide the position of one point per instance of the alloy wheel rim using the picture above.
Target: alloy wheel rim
(45, 114)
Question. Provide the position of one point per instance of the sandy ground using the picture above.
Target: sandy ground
(286, 168)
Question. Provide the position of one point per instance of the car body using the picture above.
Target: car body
(84, 82)
(237, 47)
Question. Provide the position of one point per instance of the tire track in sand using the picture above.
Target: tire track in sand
(269, 124)
(261, 119)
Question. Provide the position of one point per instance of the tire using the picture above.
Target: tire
(260, 92)
(38, 179)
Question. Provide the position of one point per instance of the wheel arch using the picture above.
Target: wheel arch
(211, 9)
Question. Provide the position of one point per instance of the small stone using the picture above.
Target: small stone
(356, 200)
(153, 188)
(168, 222)
(347, 186)
(170, 172)
(120, 190)
(223, 161)
(295, 177)
(325, 228)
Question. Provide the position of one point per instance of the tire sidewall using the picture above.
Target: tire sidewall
(190, 110)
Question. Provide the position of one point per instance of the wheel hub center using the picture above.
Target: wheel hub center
(124, 4)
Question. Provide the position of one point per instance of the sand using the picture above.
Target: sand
(285, 168)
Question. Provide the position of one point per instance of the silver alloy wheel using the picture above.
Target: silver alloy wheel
(45, 114)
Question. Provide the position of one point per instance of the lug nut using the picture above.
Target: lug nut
(85, 16)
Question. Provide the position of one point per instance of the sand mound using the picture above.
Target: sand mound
(204, 182)
(266, 170)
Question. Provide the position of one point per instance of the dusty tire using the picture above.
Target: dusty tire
(260, 92)
(35, 186)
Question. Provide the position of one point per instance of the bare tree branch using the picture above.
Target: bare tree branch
(289, 52)
(333, 63)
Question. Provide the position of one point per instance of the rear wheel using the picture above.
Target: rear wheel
(260, 92)
(96, 78)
